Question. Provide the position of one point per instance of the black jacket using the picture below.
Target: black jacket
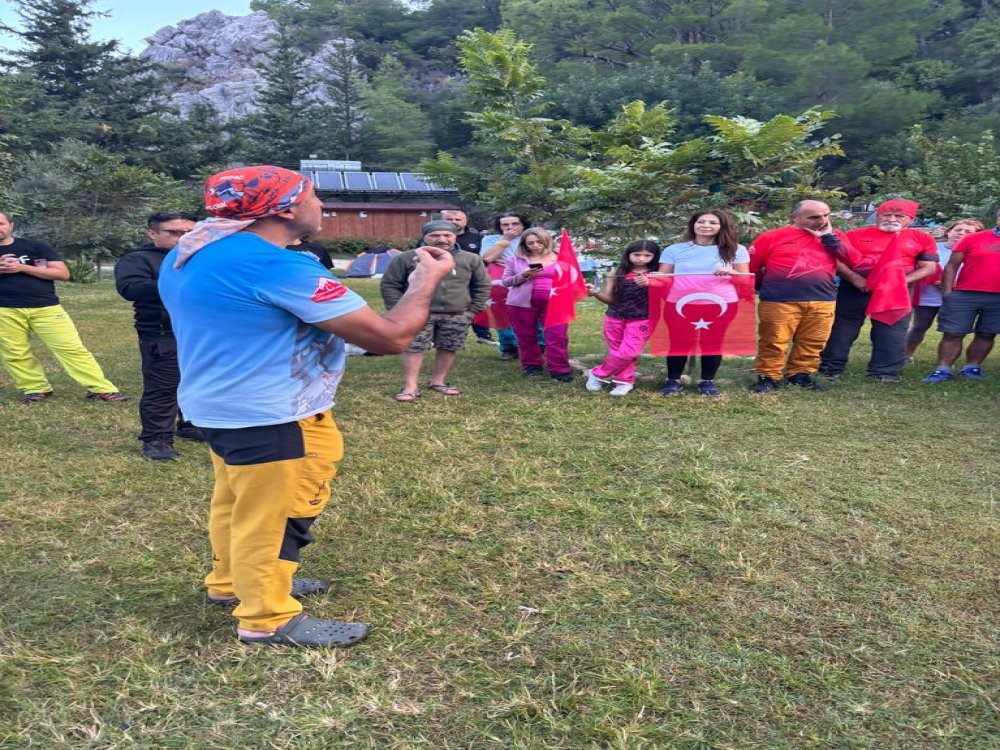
(136, 275)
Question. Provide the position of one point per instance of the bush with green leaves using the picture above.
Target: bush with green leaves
(82, 269)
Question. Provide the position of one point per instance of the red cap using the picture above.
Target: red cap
(899, 206)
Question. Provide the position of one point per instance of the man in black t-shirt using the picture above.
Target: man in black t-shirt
(136, 276)
(28, 304)
(472, 242)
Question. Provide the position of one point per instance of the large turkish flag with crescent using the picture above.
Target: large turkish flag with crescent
(495, 314)
(702, 314)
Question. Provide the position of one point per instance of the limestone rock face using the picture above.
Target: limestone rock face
(210, 59)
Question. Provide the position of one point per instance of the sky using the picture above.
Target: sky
(131, 20)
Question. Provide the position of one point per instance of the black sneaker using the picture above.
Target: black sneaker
(532, 370)
(831, 375)
(188, 431)
(159, 450)
(563, 377)
(508, 354)
(803, 381)
(765, 384)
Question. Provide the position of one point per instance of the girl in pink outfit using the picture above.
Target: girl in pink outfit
(626, 323)
(529, 275)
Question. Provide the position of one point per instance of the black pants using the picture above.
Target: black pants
(158, 411)
(709, 366)
(888, 342)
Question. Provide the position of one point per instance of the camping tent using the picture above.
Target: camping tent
(370, 263)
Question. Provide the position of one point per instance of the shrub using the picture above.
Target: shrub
(82, 269)
(356, 245)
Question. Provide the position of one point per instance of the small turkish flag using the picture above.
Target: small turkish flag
(327, 290)
(568, 286)
(495, 314)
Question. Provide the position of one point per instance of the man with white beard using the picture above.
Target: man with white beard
(919, 255)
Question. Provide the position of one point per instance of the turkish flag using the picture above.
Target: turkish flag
(702, 314)
(568, 286)
(495, 314)
(890, 297)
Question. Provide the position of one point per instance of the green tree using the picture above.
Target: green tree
(396, 132)
(67, 86)
(346, 87)
(81, 199)
(952, 178)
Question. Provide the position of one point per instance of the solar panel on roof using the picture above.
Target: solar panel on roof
(416, 184)
(329, 181)
(388, 181)
(357, 181)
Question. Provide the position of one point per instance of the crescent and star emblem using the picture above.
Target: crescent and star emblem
(701, 324)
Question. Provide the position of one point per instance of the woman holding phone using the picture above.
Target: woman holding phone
(529, 275)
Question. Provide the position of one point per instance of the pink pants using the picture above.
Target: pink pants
(525, 320)
(626, 339)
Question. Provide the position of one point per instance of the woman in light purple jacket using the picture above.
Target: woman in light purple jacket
(529, 275)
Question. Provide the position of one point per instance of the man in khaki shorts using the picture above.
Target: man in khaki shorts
(458, 297)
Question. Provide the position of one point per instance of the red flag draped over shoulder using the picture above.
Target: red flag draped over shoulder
(568, 286)
(890, 297)
(495, 314)
(702, 314)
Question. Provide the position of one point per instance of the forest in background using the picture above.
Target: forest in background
(561, 105)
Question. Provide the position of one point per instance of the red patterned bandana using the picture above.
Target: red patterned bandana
(899, 206)
(254, 192)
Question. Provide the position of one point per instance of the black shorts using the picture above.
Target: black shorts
(970, 312)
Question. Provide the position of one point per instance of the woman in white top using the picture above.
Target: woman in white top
(709, 247)
(927, 292)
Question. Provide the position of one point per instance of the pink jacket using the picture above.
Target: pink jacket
(520, 287)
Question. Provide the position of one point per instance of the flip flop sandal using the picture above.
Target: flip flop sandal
(408, 397)
(301, 587)
(311, 632)
(445, 389)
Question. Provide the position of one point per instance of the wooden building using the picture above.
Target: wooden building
(380, 205)
(397, 221)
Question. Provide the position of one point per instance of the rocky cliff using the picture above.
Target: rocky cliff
(211, 59)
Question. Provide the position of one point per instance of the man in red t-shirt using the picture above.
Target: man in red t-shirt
(919, 255)
(970, 305)
(795, 268)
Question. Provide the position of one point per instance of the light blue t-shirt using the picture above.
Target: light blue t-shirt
(689, 258)
(242, 310)
(930, 296)
(508, 252)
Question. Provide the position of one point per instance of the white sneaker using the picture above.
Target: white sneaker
(620, 389)
(594, 383)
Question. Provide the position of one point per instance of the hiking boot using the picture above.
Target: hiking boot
(707, 388)
(765, 384)
(159, 450)
(672, 388)
(34, 398)
(939, 375)
(563, 377)
(508, 354)
(532, 371)
(189, 432)
(887, 378)
(803, 381)
(115, 396)
(971, 372)
(594, 383)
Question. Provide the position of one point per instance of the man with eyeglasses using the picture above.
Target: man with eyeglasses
(136, 277)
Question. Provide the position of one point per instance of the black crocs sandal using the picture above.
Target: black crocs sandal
(301, 587)
(306, 631)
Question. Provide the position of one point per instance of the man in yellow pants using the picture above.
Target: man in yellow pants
(28, 304)
(260, 341)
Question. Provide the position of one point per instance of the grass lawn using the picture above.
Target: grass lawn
(543, 567)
